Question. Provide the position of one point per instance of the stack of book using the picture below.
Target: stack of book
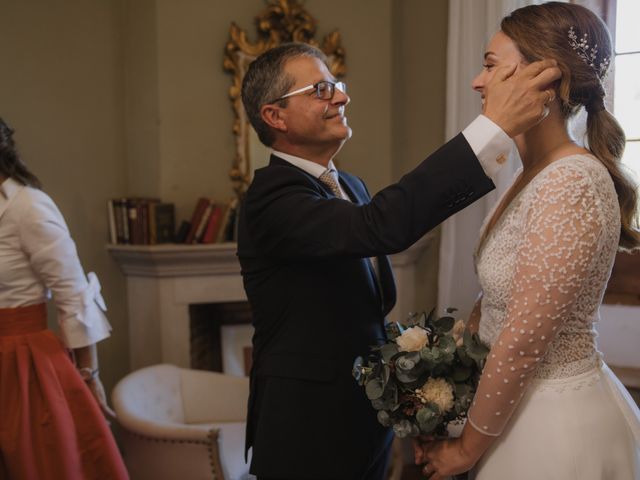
(211, 222)
(140, 221)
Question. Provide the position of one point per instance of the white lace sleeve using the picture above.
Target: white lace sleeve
(563, 229)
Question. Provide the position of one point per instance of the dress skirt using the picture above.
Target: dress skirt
(51, 426)
(585, 427)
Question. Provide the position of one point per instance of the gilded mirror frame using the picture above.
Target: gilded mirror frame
(280, 22)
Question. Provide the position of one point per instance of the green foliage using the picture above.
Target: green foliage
(374, 388)
(443, 325)
(474, 348)
(393, 379)
(428, 418)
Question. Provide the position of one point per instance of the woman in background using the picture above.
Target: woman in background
(52, 404)
(547, 407)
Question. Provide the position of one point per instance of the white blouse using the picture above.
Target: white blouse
(38, 257)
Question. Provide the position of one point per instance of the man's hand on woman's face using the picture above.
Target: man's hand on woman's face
(516, 98)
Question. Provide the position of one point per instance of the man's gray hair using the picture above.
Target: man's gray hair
(265, 82)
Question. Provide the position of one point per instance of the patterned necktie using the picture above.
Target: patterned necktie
(330, 179)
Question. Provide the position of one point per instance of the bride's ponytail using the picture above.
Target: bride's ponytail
(607, 140)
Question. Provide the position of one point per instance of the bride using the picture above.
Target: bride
(547, 407)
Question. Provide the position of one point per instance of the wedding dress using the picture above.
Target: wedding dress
(557, 410)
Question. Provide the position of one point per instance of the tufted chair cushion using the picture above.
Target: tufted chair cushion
(182, 424)
(154, 394)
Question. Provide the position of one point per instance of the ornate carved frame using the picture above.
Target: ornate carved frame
(281, 21)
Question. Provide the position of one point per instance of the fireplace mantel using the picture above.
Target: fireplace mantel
(163, 280)
(176, 260)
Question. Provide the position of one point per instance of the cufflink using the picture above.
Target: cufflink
(500, 159)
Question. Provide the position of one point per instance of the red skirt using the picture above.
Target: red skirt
(51, 427)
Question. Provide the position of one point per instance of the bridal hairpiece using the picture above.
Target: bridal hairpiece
(588, 54)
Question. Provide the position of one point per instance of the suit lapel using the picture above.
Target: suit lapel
(357, 195)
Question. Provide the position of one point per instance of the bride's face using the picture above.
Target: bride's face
(500, 51)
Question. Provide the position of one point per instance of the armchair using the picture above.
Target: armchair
(182, 424)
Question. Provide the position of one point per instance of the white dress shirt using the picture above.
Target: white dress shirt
(38, 257)
(312, 168)
(490, 144)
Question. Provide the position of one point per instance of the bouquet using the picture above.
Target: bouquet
(425, 376)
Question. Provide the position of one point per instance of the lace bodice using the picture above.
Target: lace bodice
(543, 269)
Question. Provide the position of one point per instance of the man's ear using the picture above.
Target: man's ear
(272, 116)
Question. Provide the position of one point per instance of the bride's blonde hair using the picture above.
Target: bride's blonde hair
(579, 41)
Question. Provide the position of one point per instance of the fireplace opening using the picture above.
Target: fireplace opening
(220, 337)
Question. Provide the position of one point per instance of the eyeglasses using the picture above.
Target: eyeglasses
(324, 90)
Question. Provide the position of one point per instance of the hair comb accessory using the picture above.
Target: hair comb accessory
(588, 54)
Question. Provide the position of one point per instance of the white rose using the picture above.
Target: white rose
(412, 339)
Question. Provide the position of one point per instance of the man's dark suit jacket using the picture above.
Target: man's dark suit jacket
(316, 303)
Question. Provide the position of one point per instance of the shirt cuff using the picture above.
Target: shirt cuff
(490, 144)
(85, 322)
(76, 334)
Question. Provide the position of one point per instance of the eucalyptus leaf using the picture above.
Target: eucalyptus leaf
(374, 389)
(429, 354)
(405, 364)
(428, 427)
(384, 418)
(428, 418)
(447, 344)
(448, 358)
(464, 358)
(474, 347)
(444, 324)
(426, 413)
(383, 403)
(388, 350)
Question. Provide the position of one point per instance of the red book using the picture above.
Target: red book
(211, 232)
(203, 223)
(198, 212)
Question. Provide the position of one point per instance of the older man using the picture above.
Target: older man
(312, 246)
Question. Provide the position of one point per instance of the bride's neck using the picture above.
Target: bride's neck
(538, 146)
